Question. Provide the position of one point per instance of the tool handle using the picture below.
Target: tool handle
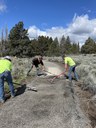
(57, 76)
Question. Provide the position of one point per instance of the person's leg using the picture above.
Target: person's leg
(70, 72)
(10, 83)
(2, 88)
(75, 74)
(37, 71)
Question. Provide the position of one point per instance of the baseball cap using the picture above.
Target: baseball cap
(7, 57)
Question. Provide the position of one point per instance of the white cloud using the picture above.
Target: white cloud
(34, 32)
(78, 30)
(81, 25)
(3, 7)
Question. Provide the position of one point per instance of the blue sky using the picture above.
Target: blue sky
(74, 18)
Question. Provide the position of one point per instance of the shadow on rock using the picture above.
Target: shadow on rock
(20, 90)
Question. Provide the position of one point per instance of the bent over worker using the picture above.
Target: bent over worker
(5, 74)
(36, 61)
(69, 62)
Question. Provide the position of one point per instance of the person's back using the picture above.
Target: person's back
(69, 61)
(37, 60)
(6, 65)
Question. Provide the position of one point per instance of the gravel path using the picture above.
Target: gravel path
(52, 106)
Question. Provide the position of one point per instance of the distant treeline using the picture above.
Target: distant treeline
(18, 44)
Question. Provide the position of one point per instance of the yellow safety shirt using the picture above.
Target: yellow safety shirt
(69, 61)
(5, 65)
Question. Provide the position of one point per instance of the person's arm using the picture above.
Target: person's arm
(11, 65)
(65, 64)
(43, 66)
(66, 67)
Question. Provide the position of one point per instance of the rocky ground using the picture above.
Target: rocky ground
(55, 105)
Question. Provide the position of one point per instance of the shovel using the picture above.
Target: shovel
(57, 76)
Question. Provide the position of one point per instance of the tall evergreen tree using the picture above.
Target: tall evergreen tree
(62, 45)
(54, 49)
(68, 45)
(89, 46)
(18, 40)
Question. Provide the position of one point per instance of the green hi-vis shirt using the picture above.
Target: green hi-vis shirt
(5, 65)
(69, 61)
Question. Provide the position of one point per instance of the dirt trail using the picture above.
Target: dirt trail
(52, 106)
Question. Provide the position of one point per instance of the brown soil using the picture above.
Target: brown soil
(86, 105)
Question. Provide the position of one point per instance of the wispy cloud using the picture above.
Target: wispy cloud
(89, 11)
(3, 6)
(78, 30)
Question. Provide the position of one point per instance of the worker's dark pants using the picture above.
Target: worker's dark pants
(7, 76)
(38, 71)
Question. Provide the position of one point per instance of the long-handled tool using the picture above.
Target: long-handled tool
(49, 72)
(63, 73)
(29, 70)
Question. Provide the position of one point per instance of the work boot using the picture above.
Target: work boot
(12, 96)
